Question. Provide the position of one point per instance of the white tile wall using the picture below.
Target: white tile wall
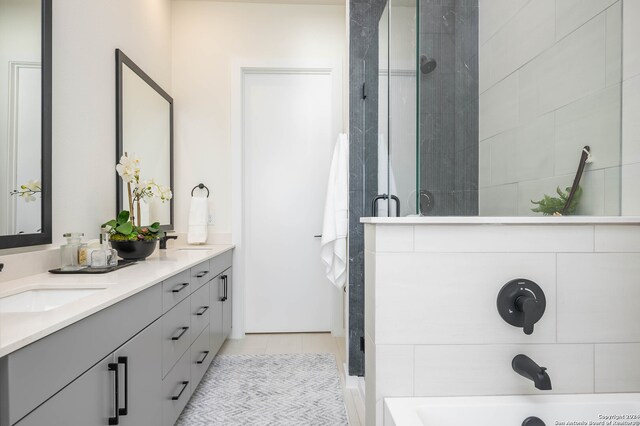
(617, 367)
(503, 239)
(612, 239)
(572, 14)
(450, 298)
(593, 121)
(614, 43)
(566, 56)
(398, 380)
(494, 14)
(598, 296)
(486, 369)
(499, 200)
(631, 38)
(630, 177)
(631, 120)
(393, 238)
(499, 107)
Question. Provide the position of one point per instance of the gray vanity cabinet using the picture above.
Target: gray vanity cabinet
(90, 399)
(217, 337)
(228, 303)
(140, 363)
(221, 300)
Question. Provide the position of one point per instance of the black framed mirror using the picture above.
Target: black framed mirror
(144, 130)
(25, 123)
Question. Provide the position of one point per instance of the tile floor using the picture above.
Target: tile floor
(302, 343)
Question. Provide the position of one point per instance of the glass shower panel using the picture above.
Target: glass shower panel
(400, 75)
(448, 108)
(382, 142)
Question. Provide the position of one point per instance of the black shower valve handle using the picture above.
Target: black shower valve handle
(521, 303)
(529, 307)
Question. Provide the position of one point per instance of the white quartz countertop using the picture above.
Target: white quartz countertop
(21, 329)
(479, 220)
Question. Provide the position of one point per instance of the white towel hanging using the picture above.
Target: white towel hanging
(336, 215)
(198, 217)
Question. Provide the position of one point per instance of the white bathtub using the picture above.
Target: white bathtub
(554, 410)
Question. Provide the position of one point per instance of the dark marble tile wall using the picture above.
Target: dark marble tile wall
(449, 106)
(363, 156)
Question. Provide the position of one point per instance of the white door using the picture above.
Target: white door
(289, 131)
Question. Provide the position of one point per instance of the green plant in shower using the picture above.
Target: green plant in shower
(552, 206)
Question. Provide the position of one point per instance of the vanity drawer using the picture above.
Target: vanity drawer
(176, 390)
(201, 357)
(176, 334)
(175, 289)
(200, 309)
(201, 274)
(221, 263)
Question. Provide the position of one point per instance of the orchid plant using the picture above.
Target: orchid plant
(127, 226)
(28, 190)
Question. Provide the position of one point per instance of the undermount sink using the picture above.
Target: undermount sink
(45, 299)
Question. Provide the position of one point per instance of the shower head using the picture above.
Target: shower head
(427, 65)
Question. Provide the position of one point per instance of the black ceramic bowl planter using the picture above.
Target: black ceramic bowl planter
(134, 250)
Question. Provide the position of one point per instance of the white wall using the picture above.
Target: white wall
(550, 75)
(209, 38)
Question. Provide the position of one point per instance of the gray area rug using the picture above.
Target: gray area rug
(295, 389)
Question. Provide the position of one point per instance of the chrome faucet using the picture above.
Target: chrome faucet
(526, 367)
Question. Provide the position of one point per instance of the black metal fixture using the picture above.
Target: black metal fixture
(526, 367)
(1, 266)
(521, 303)
(533, 421)
(163, 240)
(584, 157)
(225, 288)
(374, 204)
(200, 186)
(184, 385)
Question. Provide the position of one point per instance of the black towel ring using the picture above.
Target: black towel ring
(200, 186)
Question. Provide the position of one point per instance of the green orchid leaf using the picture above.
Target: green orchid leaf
(125, 228)
(123, 217)
(111, 224)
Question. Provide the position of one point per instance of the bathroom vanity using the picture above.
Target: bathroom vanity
(130, 352)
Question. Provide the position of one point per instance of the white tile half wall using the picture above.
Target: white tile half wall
(432, 327)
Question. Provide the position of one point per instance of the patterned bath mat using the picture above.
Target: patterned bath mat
(295, 389)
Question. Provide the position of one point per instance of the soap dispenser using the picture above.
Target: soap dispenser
(69, 252)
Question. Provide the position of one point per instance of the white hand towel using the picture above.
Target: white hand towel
(336, 215)
(198, 215)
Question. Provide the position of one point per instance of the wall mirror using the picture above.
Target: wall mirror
(25, 123)
(144, 128)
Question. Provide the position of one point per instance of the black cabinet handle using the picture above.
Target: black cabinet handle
(184, 386)
(202, 311)
(206, 354)
(224, 288)
(202, 274)
(183, 330)
(116, 419)
(125, 361)
(180, 287)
